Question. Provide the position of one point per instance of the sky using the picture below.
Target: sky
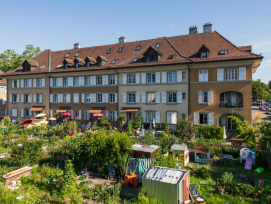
(58, 24)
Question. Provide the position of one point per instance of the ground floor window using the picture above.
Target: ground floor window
(150, 117)
(171, 117)
(76, 114)
(203, 119)
(111, 115)
(14, 112)
(2, 112)
(26, 113)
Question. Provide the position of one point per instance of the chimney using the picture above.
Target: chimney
(207, 28)
(193, 30)
(122, 39)
(76, 45)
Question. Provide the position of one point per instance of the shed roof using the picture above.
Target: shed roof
(145, 148)
(165, 175)
(202, 150)
(179, 147)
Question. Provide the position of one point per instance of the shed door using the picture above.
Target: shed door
(185, 188)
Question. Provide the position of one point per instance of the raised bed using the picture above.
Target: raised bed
(17, 174)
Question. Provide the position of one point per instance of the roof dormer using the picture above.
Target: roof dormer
(90, 61)
(152, 54)
(29, 65)
(101, 60)
(78, 62)
(204, 52)
(68, 63)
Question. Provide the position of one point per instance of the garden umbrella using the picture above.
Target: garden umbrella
(150, 127)
(56, 115)
(98, 114)
(52, 119)
(67, 114)
(41, 115)
(44, 122)
(26, 122)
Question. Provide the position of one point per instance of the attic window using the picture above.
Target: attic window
(135, 60)
(58, 66)
(41, 67)
(109, 51)
(203, 55)
(19, 69)
(121, 49)
(171, 56)
(138, 47)
(99, 63)
(158, 45)
(115, 61)
(223, 52)
(67, 55)
(76, 55)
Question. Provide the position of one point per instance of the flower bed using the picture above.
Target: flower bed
(17, 174)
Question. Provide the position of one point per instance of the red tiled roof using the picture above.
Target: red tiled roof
(186, 48)
(247, 48)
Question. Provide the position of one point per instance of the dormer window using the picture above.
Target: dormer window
(121, 49)
(154, 58)
(101, 60)
(68, 63)
(87, 64)
(66, 66)
(135, 60)
(67, 55)
(109, 51)
(115, 61)
(171, 56)
(152, 54)
(29, 65)
(76, 55)
(158, 45)
(204, 52)
(223, 52)
(203, 55)
(76, 65)
(90, 61)
(138, 47)
(148, 59)
(99, 64)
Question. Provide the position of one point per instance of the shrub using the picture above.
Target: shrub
(265, 130)
(130, 127)
(101, 122)
(235, 152)
(184, 130)
(138, 121)
(210, 132)
(165, 161)
(204, 172)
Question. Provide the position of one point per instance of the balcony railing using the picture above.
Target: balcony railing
(227, 105)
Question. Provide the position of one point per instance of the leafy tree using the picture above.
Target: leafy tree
(261, 90)
(138, 121)
(164, 161)
(101, 122)
(10, 60)
(130, 127)
(184, 130)
(265, 137)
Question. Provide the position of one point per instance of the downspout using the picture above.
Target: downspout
(118, 95)
(188, 91)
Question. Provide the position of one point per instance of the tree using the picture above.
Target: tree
(10, 60)
(184, 130)
(261, 90)
(138, 121)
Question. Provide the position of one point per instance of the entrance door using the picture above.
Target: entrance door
(130, 115)
(229, 124)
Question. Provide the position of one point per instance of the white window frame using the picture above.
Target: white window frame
(38, 98)
(131, 79)
(112, 98)
(112, 79)
(76, 81)
(39, 82)
(99, 80)
(204, 94)
(152, 77)
(150, 116)
(55, 98)
(25, 111)
(88, 98)
(231, 74)
(152, 97)
(65, 98)
(111, 115)
(88, 81)
(77, 114)
(15, 82)
(168, 97)
(202, 55)
(55, 82)
(26, 101)
(13, 101)
(66, 81)
(204, 115)
(99, 97)
(172, 77)
(26, 83)
(131, 97)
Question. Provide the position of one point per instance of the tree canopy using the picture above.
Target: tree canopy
(261, 90)
(10, 60)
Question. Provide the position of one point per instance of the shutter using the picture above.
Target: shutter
(40, 95)
(70, 81)
(116, 97)
(30, 98)
(72, 114)
(143, 113)
(22, 83)
(22, 112)
(116, 115)
(157, 77)
(164, 97)
(164, 77)
(104, 79)
(13, 84)
(124, 79)
(34, 114)
(179, 97)
(179, 76)
(59, 98)
(200, 75)
(199, 96)
(80, 114)
(18, 98)
(93, 80)
(106, 114)
(69, 98)
(143, 97)
(173, 117)
(205, 75)
(43, 82)
(210, 118)
(85, 114)
(116, 79)
(30, 113)
(220, 74)
(169, 117)
(83, 98)
(51, 98)
(196, 118)
(18, 83)
(51, 113)
(157, 97)
(51, 82)
(60, 81)
(124, 97)
(82, 81)
(4, 102)
(34, 82)
(22, 98)
(35, 98)
(157, 117)
(137, 78)
(103, 97)
(88, 116)
(137, 97)
(94, 98)
(10, 98)
(106, 97)
(242, 73)
(210, 97)
(30, 82)
(76, 98)
(143, 78)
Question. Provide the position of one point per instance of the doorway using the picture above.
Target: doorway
(130, 115)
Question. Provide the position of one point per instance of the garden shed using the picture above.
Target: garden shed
(144, 151)
(180, 151)
(167, 185)
(202, 155)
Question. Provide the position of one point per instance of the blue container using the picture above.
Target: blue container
(111, 169)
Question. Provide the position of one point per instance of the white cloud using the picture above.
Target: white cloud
(172, 25)
(268, 61)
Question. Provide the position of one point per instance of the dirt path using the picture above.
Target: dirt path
(256, 110)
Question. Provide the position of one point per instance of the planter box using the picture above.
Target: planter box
(17, 174)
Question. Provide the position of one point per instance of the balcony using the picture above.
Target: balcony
(231, 99)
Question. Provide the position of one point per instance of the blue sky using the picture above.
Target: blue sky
(59, 24)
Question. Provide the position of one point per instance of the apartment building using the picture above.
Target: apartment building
(201, 77)
(3, 95)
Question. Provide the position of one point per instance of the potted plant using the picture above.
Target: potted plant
(131, 173)
(225, 179)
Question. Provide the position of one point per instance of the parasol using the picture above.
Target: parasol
(98, 114)
(56, 115)
(52, 119)
(41, 115)
(67, 114)
(44, 122)
(26, 122)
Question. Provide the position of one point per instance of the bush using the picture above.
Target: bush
(184, 130)
(210, 132)
(265, 130)
(235, 152)
(204, 172)
(102, 122)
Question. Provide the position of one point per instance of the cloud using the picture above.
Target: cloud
(268, 61)
(262, 46)
(172, 25)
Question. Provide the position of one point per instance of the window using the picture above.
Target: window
(87, 81)
(121, 49)
(76, 55)
(15, 84)
(138, 47)
(158, 45)
(184, 75)
(172, 98)
(171, 117)
(150, 117)
(66, 82)
(99, 63)
(171, 56)
(14, 112)
(65, 98)
(58, 66)
(99, 98)
(183, 116)
(14, 98)
(150, 78)
(151, 98)
(204, 97)
(66, 66)
(99, 80)
(67, 55)
(135, 60)
(112, 98)
(148, 59)
(26, 113)
(26, 83)
(115, 61)
(155, 58)
(203, 75)
(111, 115)
(203, 119)
(76, 81)
(109, 51)
(2, 90)
(76, 115)
(39, 83)
(87, 64)
(39, 98)
(231, 74)
(55, 98)
(131, 98)
(183, 96)
(131, 79)
(223, 52)
(111, 79)
(203, 55)
(26, 98)
(172, 77)
(55, 82)
(88, 98)
(76, 65)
